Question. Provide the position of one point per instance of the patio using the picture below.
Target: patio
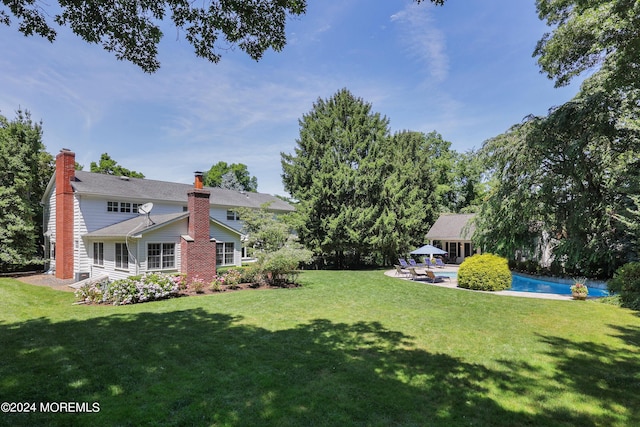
(453, 284)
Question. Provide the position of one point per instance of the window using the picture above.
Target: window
(122, 256)
(233, 216)
(224, 253)
(98, 253)
(453, 250)
(161, 256)
(126, 207)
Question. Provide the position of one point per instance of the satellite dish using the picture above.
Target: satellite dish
(146, 208)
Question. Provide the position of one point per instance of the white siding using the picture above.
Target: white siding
(223, 235)
(80, 257)
(168, 234)
(220, 214)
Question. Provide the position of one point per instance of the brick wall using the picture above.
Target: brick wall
(65, 172)
(198, 252)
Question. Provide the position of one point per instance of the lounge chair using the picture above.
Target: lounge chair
(417, 276)
(428, 263)
(439, 263)
(400, 272)
(436, 279)
(413, 263)
(403, 263)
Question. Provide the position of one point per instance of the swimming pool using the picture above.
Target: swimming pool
(527, 284)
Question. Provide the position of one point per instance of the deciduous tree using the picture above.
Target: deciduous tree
(565, 176)
(242, 179)
(591, 35)
(108, 166)
(131, 29)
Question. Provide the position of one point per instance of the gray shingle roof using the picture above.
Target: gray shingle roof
(151, 190)
(452, 227)
(137, 225)
(143, 224)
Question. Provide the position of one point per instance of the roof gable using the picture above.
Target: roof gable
(452, 227)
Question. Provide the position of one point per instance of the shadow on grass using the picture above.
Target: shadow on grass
(196, 368)
(598, 376)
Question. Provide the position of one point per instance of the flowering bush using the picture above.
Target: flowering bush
(580, 288)
(232, 278)
(197, 284)
(148, 287)
(92, 292)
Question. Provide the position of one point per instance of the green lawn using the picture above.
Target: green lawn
(346, 348)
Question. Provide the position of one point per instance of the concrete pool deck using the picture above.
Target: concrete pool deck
(453, 284)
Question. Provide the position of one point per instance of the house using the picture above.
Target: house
(97, 224)
(453, 233)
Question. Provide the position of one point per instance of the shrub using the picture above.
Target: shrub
(486, 272)
(233, 278)
(280, 267)
(626, 283)
(197, 284)
(147, 287)
(92, 292)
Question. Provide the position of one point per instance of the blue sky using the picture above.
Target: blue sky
(464, 70)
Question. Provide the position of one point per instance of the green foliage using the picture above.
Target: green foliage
(559, 179)
(108, 166)
(235, 176)
(265, 231)
(626, 283)
(363, 194)
(589, 34)
(280, 267)
(486, 272)
(25, 171)
(231, 278)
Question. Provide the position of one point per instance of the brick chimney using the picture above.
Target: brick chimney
(65, 173)
(197, 250)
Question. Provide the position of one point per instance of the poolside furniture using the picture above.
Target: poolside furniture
(439, 263)
(413, 263)
(403, 263)
(417, 276)
(400, 272)
(436, 279)
(428, 263)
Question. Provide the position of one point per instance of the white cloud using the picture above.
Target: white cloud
(423, 40)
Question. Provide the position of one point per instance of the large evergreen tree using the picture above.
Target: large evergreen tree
(333, 175)
(363, 195)
(25, 170)
(406, 205)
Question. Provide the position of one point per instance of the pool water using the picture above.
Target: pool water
(526, 284)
